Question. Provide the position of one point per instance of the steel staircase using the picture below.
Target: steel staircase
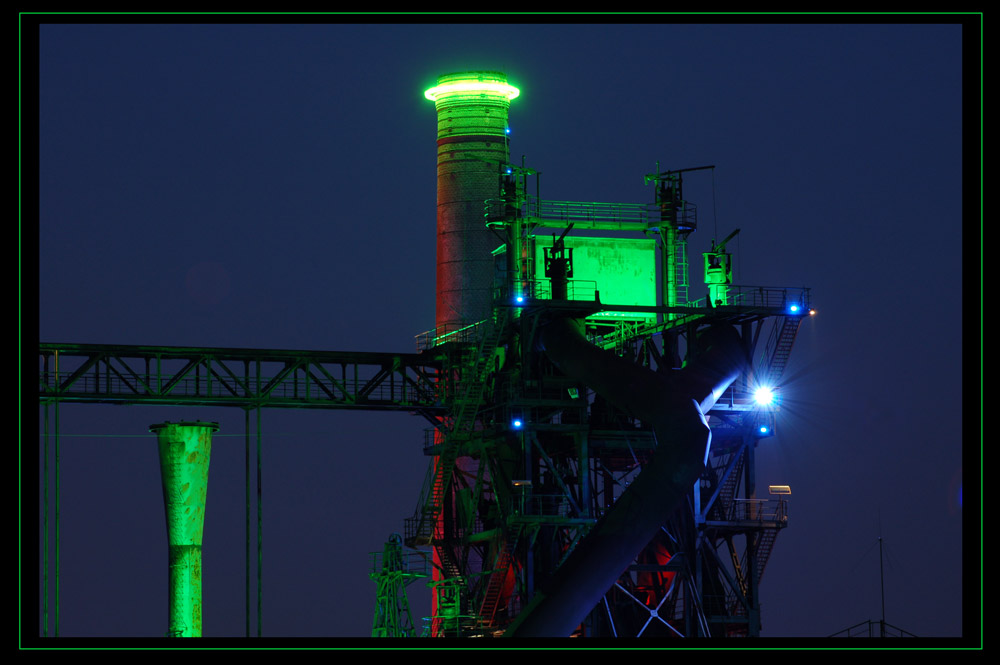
(783, 348)
(724, 501)
(494, 588)
(464, 411)
(764, 545)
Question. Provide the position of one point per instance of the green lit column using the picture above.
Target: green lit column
(472, 151)
(472, 147)
(185, 449)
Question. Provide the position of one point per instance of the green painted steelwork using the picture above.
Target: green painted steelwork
(247, 378)
(543, 462)
(185, 452)
(393, 570)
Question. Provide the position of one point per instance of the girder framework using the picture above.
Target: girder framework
(546, 457)
(247, 378)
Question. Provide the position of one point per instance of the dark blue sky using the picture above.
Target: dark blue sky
(273, 186)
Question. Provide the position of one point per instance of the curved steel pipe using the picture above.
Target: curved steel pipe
(674, 404)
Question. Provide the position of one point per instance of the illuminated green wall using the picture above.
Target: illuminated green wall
(624, 271)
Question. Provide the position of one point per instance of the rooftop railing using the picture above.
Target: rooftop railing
(626, 216)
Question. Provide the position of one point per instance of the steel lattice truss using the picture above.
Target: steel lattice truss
(248, 378)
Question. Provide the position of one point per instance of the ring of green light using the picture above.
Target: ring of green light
(471, 87)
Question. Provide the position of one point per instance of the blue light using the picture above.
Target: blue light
(763, 429)
(516, 424)
(508, 171)
(763, 396)
(519, 299)
(508, 131)
(794, 308)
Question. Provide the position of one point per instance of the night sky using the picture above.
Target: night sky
(273, 186)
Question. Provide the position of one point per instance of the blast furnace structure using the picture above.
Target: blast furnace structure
(592, 427)
(594, 472)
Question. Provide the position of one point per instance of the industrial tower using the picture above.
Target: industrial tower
(592, 428)
(572, 489)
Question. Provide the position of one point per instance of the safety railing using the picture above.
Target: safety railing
(449, 333)
(758, 510)
(626, 216)
(767, 296)
(407, 562)
(783, 297)
(541, 289)
(544, 505)
(575, 211)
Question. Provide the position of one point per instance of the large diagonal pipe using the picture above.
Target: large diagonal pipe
(674, 404)
(185, 449)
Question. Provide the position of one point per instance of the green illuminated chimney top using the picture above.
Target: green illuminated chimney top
(471, 85)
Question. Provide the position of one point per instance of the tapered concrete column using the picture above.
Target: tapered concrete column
(185, 449)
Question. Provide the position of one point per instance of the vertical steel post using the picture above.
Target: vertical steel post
(57, 512)
(881, 576)
(584, 480)
(752, 543)
(260, 535)
(246, 455)
(45, 527)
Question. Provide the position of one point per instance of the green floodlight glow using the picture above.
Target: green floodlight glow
(185, 449)
(471, 86)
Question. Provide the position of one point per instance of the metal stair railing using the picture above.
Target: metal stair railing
(737, 567)
(783, 347)
(494, 589)
(448, 563)
(727, 492)
(466, 407)
(764, 545)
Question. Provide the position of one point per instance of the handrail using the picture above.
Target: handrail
(646, 215)
(761, 510)
(448, 333)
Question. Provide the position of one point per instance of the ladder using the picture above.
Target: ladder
(682, 273)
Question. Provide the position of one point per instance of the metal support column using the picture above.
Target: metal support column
(246, 451)
(584, 476)
(57, 517)
(260, 530)
(752, 541)
(45, 526)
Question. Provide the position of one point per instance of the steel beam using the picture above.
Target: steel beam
(247, 378)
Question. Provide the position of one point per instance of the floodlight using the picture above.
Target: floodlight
(764, 396)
